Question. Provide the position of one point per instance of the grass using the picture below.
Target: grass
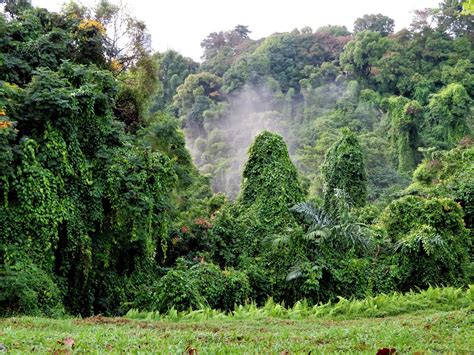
(436, 320)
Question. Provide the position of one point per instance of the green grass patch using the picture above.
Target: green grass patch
(428, 331)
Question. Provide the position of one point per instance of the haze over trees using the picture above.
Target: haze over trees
(304, 165)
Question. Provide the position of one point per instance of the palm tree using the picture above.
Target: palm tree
(339, 228)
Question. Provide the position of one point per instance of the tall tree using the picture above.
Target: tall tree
(451, 19)
(270, 184)
(362, 53)
(405, 121)
(375, 23)
(344, 170)
(242, 31)
(449, 113)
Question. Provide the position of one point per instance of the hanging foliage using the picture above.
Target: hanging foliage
(344, 169)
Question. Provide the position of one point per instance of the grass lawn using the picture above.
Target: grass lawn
(418, 332)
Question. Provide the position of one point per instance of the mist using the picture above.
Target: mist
(230, 132)
(231, 128)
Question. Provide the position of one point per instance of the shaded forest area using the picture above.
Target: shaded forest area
(310, 164)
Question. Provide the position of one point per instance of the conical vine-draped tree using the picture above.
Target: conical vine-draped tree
(405, 115)
(344, 170)
(270, 184)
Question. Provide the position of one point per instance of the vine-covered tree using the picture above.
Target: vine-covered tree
(270, 183)
(431, 239)
(344, 170)
(449, 112)
(404, 132)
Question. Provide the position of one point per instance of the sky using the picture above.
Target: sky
(182, 24)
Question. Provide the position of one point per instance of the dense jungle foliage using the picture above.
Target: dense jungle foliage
(306, 165)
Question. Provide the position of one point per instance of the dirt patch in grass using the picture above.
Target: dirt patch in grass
(99, 319)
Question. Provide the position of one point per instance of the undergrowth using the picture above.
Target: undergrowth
(383, 305)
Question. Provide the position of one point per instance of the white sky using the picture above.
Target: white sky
(182, 24)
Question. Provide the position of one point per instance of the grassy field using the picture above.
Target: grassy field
(444, 322)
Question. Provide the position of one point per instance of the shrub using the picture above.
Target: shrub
(110, 293)
(26, 289)
(177, 290)
(350, 277)
(221, 289)
(430, 239)
(201, 285)
(237, 288)
(261, 285)
(210, 282)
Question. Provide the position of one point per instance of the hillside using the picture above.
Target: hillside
(307, 165)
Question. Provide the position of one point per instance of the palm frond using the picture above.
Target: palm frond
(312, 214)
(295, 272)
(424, 238)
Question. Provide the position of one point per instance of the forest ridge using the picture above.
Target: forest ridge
(307, 165)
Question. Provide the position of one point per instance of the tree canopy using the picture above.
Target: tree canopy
(303, 165)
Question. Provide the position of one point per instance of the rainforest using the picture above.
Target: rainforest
(296, 170)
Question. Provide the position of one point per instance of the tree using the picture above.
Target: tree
(242, 31)
(405, 121)
(139, 85)
(217, 41)
(452, 21)
(395, 69)
(334, 30)
(173, 69)
(340, 231)
(448, 174)
(461, 73)
(362, 53)
(126, 38)
(270, 184)
(197, 94)
(213, 43)
(344, 170)
(423, 20)
(163, 135)
(15, 7)
(375, 23)
(448, 115)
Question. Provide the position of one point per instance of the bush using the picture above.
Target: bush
(26, 289)
(222, 289)
(140, 287)
(350, 277)
(210, 283)
(237, 288)
(201, 285)
(261, 286)
(430, 239)
(177, 290)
